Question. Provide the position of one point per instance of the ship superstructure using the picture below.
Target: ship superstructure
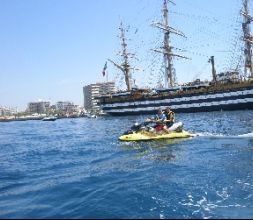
(225, 92)
(248, 39)
(167, 49)
(125, 66)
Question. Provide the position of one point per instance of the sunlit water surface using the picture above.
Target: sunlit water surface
(77, 168)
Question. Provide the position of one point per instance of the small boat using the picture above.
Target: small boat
(49, 118)
(143, 132)
(91, 115)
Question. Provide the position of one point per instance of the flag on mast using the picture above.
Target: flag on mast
(104, 69)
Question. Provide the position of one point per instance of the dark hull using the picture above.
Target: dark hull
(232, 107)
(49, 119)
(229, 100)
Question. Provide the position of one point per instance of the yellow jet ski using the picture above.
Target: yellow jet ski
(144, 133)
(145, 136)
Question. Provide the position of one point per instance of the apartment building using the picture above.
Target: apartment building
(38, 107)
(95, 90)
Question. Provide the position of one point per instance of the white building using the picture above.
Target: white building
(65, 106)
(92, 91)
(7, 111)
(39, 107)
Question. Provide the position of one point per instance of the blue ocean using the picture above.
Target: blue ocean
(77, 168)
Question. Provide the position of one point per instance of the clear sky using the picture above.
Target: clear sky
(50, 49)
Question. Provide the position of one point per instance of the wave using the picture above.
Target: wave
(210, 135)
(249, 135)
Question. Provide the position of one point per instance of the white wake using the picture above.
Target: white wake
(249, 135)
(210, 135)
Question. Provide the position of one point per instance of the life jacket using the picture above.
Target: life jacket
(170, 116)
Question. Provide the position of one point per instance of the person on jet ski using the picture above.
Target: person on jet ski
(159, 119)
(170, 117)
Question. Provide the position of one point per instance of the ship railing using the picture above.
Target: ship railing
(186, 91)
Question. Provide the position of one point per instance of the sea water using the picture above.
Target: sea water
(77, 168)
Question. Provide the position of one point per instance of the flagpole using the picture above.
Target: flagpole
(105, 72)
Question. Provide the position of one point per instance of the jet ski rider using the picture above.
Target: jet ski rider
(170, 117)
(159, 119)
(164, 120)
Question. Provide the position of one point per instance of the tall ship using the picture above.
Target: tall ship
(226, 91)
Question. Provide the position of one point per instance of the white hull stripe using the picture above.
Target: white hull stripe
(183, 106)
(183, 99)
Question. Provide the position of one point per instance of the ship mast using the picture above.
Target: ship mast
(167, 48)
(211, 60)
(125, 66)
(247, 38)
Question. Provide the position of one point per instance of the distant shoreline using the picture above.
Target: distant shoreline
(30, 118)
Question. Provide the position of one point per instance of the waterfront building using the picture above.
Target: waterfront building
(39, 107)
(68, 109)
(7, 111)
(65, 106)
(92, 91)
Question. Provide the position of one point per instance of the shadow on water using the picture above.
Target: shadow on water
(159, 150)
(169, 150)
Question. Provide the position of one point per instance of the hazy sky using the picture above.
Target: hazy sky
(50, 49)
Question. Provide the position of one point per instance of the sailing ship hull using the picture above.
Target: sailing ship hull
(236, 99)
(226, 91)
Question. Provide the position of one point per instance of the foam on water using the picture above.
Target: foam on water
(210, 135)
(249, 135)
